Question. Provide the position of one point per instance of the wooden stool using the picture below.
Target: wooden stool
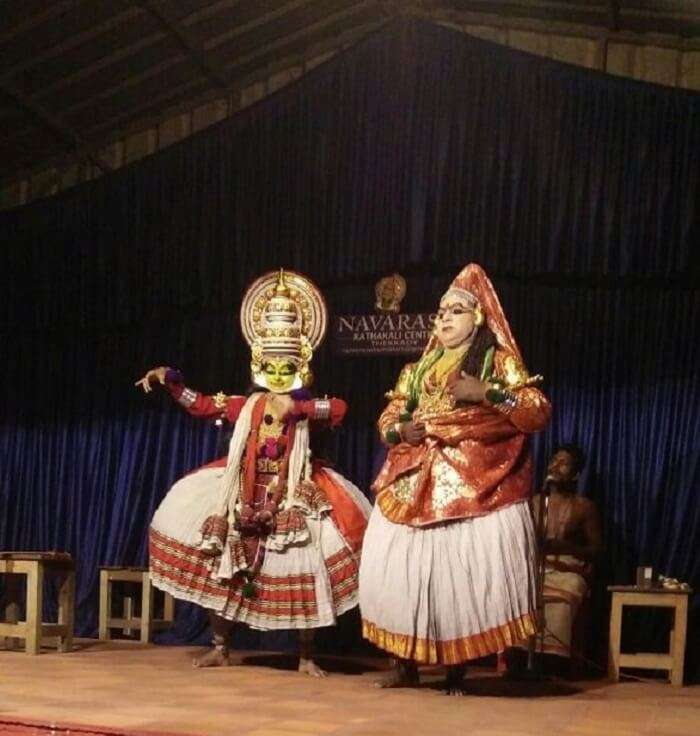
(631, 595)
(35, 565)
(145, 622)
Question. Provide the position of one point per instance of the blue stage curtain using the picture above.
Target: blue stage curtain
(418, 150)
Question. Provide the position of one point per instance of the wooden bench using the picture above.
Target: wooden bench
(35, 566)
(146, 622)
(672, 661)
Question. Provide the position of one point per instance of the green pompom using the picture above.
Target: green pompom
(495, 395)
(248, 589)
(392, 437)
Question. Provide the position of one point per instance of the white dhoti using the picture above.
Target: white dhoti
(451, 592)
(564, 592)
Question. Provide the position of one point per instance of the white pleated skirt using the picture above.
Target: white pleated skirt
(307, 584)
(449, 593)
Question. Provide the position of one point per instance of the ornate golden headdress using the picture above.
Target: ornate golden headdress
(283, 315)
(473, 285)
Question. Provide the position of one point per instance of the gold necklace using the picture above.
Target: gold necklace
(433, 398)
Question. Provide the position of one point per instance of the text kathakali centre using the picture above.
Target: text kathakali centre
(382, 334)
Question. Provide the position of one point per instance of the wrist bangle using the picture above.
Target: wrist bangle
(503, 399)
(187, 397)
(495, 395)
(322, 409)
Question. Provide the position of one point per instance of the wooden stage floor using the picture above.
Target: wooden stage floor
(154, 688)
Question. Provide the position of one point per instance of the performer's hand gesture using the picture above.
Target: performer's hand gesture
(155, 374)
(413, 433)
(468, 388)
(283, 403)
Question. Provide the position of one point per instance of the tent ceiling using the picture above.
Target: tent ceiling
(74, 73)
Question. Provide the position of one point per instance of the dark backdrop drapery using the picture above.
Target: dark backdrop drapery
(418, 150)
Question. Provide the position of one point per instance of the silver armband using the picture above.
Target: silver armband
(187, 397)
(322, 409)
(509, 402)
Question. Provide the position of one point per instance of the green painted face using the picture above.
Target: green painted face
(279, 375)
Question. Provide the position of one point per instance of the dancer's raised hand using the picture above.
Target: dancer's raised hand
(155, 374)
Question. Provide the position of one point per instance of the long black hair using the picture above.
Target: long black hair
(474, 359)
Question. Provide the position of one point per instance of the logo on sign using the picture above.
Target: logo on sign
(388, 333)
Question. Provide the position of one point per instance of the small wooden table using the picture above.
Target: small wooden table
(672, 661)
(146, 622)
(35, 565)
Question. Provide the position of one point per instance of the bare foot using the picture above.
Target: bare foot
(309, 667)
(456, 690)
(400, 676)
(454, 683)
(215, 657)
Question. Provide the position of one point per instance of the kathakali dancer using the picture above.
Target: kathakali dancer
(267, 536)
(448, 566)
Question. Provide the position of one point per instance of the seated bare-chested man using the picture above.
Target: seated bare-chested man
(573, 543)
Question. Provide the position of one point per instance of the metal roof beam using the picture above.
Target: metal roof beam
(614, 15)
(36, 19)
(153, 38)
(69, 137)
(134, 79)
(188, 40)
(135, 122)
(72, 42)
(261, 20)
(307, 30)
(348, 37)
(228, 69)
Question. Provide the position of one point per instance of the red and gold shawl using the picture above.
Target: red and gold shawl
(474, 458)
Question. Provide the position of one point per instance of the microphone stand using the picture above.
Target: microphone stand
(541, 536)
(533, 671)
